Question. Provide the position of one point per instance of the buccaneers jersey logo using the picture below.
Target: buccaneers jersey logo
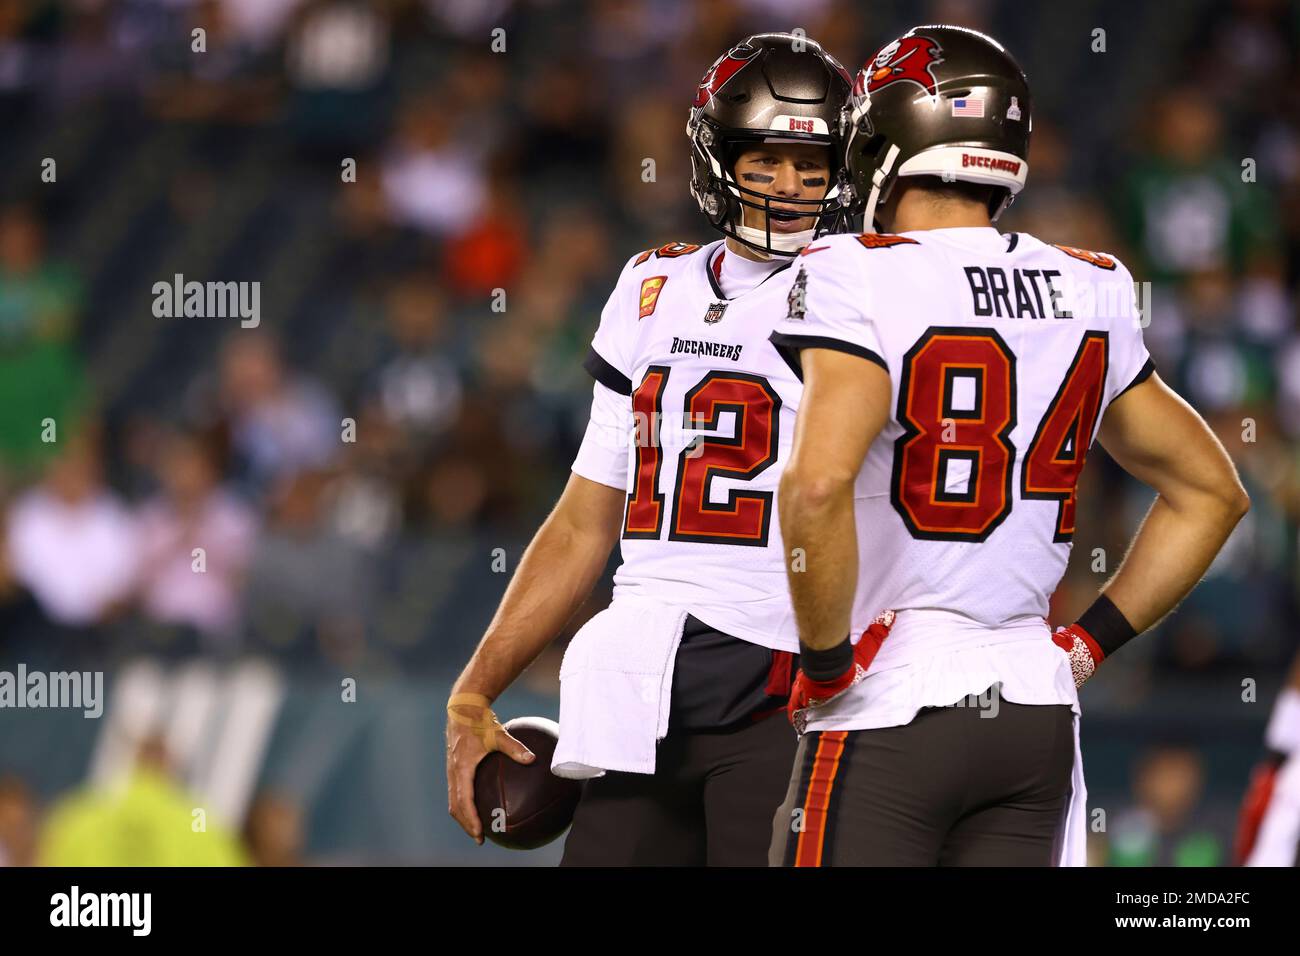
(910, 58)
(723, 69)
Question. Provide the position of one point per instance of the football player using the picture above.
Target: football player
(691, 420)
(1268, 827)
(955, 378)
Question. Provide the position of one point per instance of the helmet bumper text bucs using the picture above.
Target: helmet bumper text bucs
(769, 88)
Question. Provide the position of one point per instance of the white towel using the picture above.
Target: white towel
(615, 687)
(1074, 843)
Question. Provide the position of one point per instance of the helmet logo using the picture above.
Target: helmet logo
(908, 59)
(723, 69)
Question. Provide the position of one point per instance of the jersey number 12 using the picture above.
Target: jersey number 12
(746, 516)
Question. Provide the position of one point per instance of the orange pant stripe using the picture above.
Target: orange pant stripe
(817, 799)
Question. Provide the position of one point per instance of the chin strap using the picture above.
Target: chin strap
(778, 242)
(877, 180)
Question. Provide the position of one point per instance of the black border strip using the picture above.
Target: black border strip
(1143, 374)
(713, 280)
(605, 373)
(813, 738)
(789, 347)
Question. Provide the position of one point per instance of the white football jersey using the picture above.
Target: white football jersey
(1003, 354)
(693, 417)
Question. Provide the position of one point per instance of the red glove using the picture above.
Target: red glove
(1255, 805)
(808, 693)
(1084, 652)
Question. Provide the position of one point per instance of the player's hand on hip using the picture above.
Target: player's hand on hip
(473, 732)
(808, 693)
(1082, 649)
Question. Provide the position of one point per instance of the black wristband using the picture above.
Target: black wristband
(1108, 627)
(828, 664)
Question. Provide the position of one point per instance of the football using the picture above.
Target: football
(524, 806)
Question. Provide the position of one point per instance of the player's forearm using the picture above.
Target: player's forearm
(558, 570)
(818, 530)
(1170, 554)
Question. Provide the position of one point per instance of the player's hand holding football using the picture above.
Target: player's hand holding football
(1083, 650)
(473, 732)
(808, 693)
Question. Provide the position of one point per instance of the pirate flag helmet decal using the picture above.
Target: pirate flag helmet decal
(939, 101)
(909, 59)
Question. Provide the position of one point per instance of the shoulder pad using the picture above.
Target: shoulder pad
(877, 240)
(1098, 259)
(670, 250)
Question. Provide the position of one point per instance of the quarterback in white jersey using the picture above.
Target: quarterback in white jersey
(955, 379)
(671, 697)
(697, 449)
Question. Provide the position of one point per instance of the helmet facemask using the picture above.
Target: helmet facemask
(769, 88)
(723, 198)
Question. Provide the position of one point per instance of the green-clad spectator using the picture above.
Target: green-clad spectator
(1167, 826)
(40, 373)
(1186, 207)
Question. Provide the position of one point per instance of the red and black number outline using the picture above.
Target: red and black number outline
(649, 461)
(1085, 411)
(915, 429)
(753, 416)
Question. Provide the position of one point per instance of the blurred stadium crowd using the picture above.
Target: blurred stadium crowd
(412, 396)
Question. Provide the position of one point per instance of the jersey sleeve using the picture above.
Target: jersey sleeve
(610, 358)
(828, 307)
(1130, 362)
(603, 455)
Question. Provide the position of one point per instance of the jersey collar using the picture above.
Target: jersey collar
(713, 269)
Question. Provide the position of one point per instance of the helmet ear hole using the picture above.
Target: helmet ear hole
(872, 147)
(859, 169)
